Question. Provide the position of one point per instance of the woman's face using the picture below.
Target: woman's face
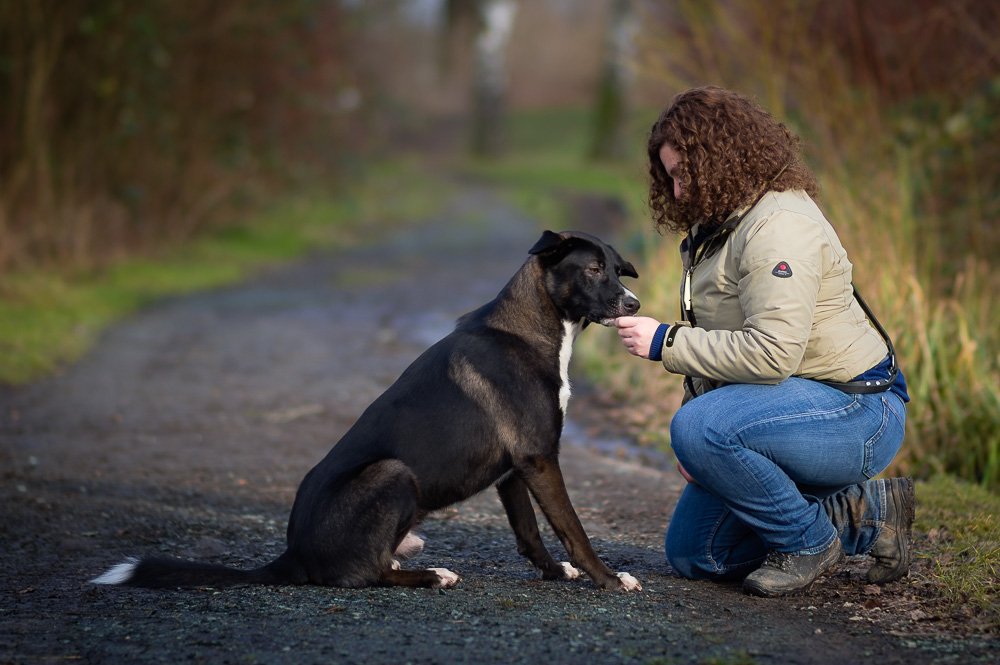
(671, 162)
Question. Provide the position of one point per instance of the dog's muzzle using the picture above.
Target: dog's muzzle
(627, 305)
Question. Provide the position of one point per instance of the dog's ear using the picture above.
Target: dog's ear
(547, 244)
(626, 269)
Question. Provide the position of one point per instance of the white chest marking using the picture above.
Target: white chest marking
(570, 330)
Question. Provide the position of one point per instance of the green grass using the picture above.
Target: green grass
(958, 546)
(49, 319)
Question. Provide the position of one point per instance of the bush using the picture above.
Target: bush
(128, 123)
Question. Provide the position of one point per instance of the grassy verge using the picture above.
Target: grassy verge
(957, 544)
(49, 319)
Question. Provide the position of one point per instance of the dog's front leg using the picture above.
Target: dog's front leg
(545, 481)
(521, 514)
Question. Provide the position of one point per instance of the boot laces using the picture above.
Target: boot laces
(778, 560)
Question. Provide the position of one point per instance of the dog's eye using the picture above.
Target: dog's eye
(594, 270)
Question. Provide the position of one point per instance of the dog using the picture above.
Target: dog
(484, 406)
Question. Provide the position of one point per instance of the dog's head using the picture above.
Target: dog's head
(583, 277)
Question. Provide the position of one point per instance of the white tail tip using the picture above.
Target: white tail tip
(118, 574)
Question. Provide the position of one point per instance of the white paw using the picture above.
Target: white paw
(629, 583)
(447, 580)
(569, 572)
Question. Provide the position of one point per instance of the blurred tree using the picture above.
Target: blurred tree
(494, 23)
(611, 108)
(127, 123)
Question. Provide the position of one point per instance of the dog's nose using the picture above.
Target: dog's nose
(630, 305)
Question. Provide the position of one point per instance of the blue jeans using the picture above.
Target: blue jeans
(783, 467)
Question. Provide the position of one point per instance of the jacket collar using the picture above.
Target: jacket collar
(696, 239)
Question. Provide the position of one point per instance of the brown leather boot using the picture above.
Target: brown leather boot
(783, 573)
(892, 550)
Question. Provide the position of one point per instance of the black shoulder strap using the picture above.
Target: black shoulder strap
(872, 385)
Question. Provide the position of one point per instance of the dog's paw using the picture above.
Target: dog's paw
(569, 572)
(561, 571)
(447, 579)
(629, 583)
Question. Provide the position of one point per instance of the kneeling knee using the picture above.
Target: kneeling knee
(696, 564)
(687, 436)
(685, 561)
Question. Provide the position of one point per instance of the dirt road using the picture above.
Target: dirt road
(188, 428)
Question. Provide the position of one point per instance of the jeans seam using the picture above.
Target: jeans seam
(879, 521)
(711, 540)
(870, 443)
(822, 548)
(721, 569)
(893, 411)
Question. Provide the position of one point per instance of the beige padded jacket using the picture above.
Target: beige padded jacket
(769, 297)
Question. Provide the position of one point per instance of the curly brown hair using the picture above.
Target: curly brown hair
(731, 150)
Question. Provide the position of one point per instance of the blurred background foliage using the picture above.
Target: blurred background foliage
(131, 126)
(126, 123)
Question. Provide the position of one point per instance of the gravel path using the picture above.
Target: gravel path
(188, 428)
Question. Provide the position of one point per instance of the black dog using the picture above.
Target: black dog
(484, 406)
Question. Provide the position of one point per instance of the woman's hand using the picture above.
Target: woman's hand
(637, 333)
(687, 476)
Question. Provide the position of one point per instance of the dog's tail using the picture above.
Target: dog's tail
(161, 573)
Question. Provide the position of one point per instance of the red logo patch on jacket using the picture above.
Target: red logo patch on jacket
(782, 270)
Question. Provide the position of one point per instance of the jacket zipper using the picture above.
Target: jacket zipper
(697, 256)
(700, 253)
(686, 305)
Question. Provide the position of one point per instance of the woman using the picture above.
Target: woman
(792, 399)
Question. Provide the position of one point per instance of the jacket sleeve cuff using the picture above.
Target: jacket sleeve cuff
(656, 347)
